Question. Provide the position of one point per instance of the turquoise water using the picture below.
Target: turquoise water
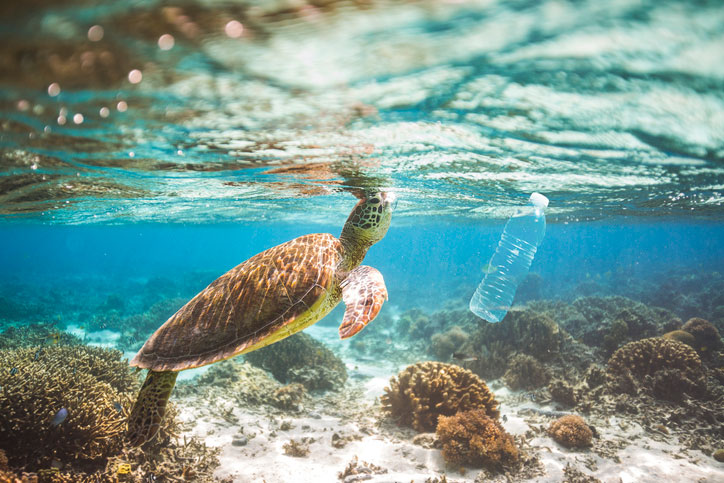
(147, 147)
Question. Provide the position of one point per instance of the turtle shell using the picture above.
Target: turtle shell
(280, 288)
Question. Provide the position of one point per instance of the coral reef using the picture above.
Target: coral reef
(246, 384)
(77, 378)
(424, 391)
(289, 396)
(666, 368)
(595, 376)
(562, 392)
(443, 345)
(531, 288)
(571, 431)
(521, 331)
(706, 336)
(474, 438)
(682, 336)
(525, 372)
(37, 334)
(608, 322)
(136, 328)
(689, 294)
(300, 358)
(96, 388)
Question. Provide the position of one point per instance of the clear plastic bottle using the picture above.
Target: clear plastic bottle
(511, 261)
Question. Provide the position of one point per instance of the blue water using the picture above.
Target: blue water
(423, 264)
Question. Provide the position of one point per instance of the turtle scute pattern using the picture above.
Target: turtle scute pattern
(243, 306)
(423, 392)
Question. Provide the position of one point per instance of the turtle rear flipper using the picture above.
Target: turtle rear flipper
(363, 292)
(150, 407)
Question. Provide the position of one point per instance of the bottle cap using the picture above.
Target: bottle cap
(539, 200)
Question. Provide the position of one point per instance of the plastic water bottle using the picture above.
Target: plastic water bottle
(511, 261)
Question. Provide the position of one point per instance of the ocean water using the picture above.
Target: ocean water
(147, 147)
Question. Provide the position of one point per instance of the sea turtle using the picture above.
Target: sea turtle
(270, 296)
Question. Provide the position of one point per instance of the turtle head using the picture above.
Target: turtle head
(370, 219)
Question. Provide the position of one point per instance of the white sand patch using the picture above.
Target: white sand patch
(99, 338)
(641, 458)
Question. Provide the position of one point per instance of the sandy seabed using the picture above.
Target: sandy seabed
(348, 427)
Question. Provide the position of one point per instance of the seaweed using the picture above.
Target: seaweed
(474, 438)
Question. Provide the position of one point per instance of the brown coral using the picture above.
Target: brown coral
(571, 431)
(39, 382)
(289, 396)
(562, 392)
(472, 437)
(303, 359)
(525, 372)
(523, 331)
(665, 367)
(706, 336)
(424, 391)
(681, 336)
(443, 345)
(97, 389)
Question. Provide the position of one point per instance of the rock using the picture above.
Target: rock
(239, 441)
(719, 455)
(426, 440)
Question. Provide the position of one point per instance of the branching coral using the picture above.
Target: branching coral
(300, 358)
(35, 335)
(38, 382)
(571, 431)
(424, 391)
(525, 372)
(472, 437)
(97, 389)
(639, 365)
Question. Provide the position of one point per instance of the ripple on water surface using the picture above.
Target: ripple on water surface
(219, 112)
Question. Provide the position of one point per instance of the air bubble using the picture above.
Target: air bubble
(166, 42)
(234, 29)
(95, 33)
(135, 76)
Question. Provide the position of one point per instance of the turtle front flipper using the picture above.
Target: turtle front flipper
(150, 407)
(363, 292)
